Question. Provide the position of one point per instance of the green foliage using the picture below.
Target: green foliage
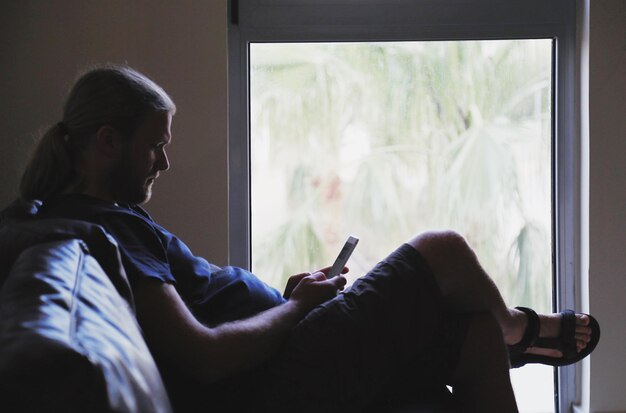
(387, 139)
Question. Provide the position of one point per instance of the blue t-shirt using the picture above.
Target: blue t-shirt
(213, 294)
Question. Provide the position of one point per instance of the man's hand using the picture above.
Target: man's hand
(310, 289)
(293, 281)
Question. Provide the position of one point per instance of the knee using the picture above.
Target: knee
(443, 241)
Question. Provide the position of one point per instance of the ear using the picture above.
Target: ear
(109, 142)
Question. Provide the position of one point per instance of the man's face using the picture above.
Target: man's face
(144, 158)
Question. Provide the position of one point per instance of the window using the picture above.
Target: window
(400, 116)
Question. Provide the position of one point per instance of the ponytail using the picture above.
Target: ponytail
(49, 170)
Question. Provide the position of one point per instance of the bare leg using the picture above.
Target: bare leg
(481, 382)
(466, 287)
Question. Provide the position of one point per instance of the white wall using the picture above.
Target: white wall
(607, 201)
(183, 46)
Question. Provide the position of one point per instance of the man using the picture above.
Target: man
(426, 315)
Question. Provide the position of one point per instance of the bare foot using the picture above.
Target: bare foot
(549, 327)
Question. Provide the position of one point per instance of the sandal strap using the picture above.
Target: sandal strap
(566, 342)
(532, 330)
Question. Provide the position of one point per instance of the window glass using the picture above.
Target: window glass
(382, 140)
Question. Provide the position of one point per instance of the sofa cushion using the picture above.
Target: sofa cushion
(68, 341)
(16, 235)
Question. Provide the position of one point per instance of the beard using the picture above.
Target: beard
(128, 187)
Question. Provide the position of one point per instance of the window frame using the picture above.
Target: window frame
(360, 20)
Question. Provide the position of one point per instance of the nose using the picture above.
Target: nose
(163, 164)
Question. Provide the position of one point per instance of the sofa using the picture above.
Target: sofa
(69, 339)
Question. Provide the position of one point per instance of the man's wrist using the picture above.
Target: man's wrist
(298, 308)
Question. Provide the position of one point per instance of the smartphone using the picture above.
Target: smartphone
(343, 256)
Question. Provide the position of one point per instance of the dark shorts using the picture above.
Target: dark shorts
(388, 336)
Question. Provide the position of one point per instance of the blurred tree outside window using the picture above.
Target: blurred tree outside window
(383, 140)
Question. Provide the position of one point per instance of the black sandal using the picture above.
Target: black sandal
(566, 343)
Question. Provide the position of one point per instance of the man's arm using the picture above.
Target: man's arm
(210, 354)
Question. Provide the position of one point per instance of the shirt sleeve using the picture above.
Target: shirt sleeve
(143, 253)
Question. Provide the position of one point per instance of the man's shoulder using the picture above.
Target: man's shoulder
(87, 208)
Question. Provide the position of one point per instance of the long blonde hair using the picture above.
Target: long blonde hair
(117, 96)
